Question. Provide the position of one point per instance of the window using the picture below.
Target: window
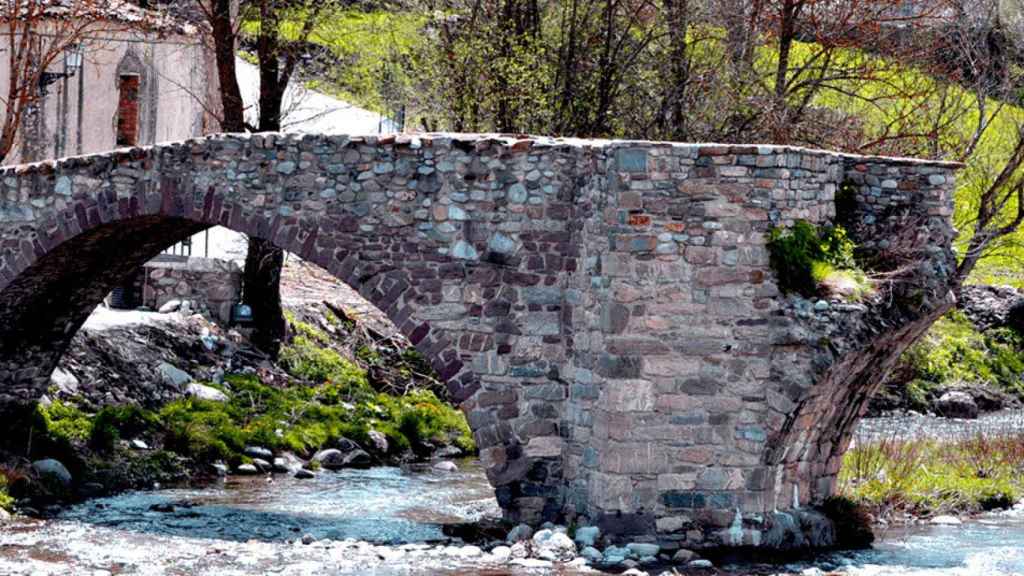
(128, 110)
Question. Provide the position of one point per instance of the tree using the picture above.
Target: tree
(39, 34)
(283, 28)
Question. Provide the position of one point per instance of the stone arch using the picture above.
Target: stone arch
(476, 285)
(605, 312)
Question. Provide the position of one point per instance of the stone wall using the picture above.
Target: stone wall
(209, 284)
(604, 311)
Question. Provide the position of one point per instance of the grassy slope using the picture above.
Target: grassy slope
(370, 48)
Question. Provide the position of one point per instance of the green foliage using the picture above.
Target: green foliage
(954, 351)
(6, 501)
(112, 423)
(374, 50)
(66, 421)
(805, 256)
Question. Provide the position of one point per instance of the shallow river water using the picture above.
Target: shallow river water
(388, 521)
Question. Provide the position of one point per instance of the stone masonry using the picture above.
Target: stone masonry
(604, 311)
(206, 283)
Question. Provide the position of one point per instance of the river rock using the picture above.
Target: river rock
(378, 441)
(519, 533)
(139, 444)
(519, 550)
(554, 546)
(303, 474)
(641, 549)
(502, 553)
(587, 536)
(700, 563)
(220, 468)
(52, 472)
(956, 404)
(683, 556)
(246, 469)
(262, 465)
(614, 555)
(308, 539)
(446, 466)
(334, 459)
(280, 465)
(946, 520)
(204, 392)
(993, 306)
(258, 452)
(591, 554)
(173, 376)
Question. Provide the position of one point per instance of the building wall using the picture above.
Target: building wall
(78, 115)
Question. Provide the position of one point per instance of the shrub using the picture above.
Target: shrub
(804, 256)
(6, 501)
(66, 421)
(954, 350)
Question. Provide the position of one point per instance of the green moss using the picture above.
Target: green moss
(203, 430)
(115, 422)
(306, 359)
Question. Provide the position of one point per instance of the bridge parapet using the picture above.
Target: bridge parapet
(604, 311)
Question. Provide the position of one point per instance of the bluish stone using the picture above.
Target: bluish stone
(517, 193)
(683, 499)
(502, 244)
(464, 251)
(631, 160)
(286, 168)
(62, 186)
(456, 213)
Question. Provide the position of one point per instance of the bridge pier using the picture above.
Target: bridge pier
(604, 312)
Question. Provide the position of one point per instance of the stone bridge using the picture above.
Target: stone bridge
(604, 311)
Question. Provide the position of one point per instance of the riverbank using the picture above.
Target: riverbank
(172, 399)
(913, 469)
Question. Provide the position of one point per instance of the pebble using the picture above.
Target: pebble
(701, 563)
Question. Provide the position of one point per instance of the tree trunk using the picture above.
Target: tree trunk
(262, 282)
(233, 109)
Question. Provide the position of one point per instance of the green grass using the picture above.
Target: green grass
(927, 477)
(954, 352)
(372, 50)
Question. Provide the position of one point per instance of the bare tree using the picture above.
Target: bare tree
(38, 35)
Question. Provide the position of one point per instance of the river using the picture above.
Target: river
(387, 521)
